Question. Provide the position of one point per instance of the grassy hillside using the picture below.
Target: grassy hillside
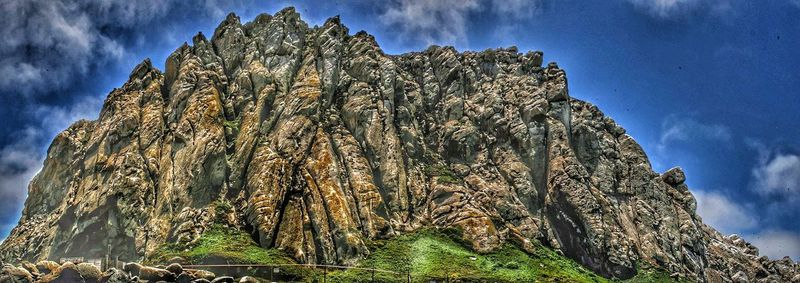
(437, 255)
(222, 245)
(428, 255)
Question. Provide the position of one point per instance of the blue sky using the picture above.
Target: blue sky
(712, 86)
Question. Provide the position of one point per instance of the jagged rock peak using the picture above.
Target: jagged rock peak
(316, 141)
(141, 69)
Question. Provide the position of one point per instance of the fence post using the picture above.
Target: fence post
(408, 269)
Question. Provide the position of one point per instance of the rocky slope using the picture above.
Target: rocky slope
(316, 141)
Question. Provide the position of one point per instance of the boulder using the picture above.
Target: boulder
(223, 279)
(114, 275)
(148, 273)
(89, 272)
(740, 277)
(202, 274)
(175, 268)
(184, 278)
(178, 260)
(16, 274)
(46, 266)
(67, 272)
(30, 267)
(674, 176)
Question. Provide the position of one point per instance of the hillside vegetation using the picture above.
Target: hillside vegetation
(439, 255)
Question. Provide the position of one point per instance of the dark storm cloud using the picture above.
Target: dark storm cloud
(21, 159)
(17, 166)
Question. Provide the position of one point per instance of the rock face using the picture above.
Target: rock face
(314, 140)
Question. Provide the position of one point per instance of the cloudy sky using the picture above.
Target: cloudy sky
(712, 86)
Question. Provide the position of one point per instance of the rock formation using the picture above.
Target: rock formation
(315, 141)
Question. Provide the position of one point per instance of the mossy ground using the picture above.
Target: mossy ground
(428, 254)
(234, 124)
(438, 255)
(442, 173)
(651, 274)
(223, 245)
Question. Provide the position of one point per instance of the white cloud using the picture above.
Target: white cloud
(779, 175)
(46, 44)
(776, 244)
(664, 8)
(517, 9)
(58, 118)
(776, 174)
(722, 213)
(677, 129)
(668, 9)
(431, 21)
(730, 217)
(445, 21)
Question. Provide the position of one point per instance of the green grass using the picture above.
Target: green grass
(651, 274)
(428, 254)
(223, 245)
(442, 173)
(234, 124)
(438, 255)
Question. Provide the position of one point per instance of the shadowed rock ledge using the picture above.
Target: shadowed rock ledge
(314, 141)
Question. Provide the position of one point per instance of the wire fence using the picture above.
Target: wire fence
(273, 270)
(317, 266)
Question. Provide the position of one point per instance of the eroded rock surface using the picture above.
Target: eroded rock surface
(315, 140)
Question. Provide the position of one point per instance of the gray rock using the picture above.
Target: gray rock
(46, 266)
(148, 273)
(175, 268)
(223, 279)
(68, 272)
(114, 275)
(184, 278)
(178, 260)
(202, 274)
(30, 267)
(674, 176)
(16, 274)
(740, 277)
(89, 272)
